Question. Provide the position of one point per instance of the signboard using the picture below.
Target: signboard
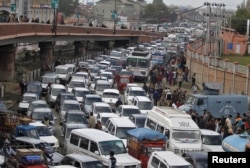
(13, 7)
(54, 3)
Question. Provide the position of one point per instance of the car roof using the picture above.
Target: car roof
(67, 94)
(70, 102)
(30, 94)
(92, 96)
(122, 122)
(75, 125)
(103, 104)
(50, 74)
(80, 89)
(61, 67)
(42, 109)
(135, 88)
(208, 132)
(108, 115)
(77, 79)
(142, 98)
(106, 72)
(75, 112)
(171, 158)
(94, 134)
(59, 86)
(138, 115)
(39, 102)
(34, 83)
(125, 106)
(111, 90)
(102, 82)
(81, 157)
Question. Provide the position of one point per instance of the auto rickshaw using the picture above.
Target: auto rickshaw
(122, 82)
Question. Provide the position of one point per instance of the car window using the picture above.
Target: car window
(77, 164)
(74, 139)
(84, 143)
(93, 147)
(155, 162)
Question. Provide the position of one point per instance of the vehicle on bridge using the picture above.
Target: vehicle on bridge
(139, 63)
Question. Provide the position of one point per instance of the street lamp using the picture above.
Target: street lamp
(115, 15)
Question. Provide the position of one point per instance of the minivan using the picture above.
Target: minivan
(64, 73)
(98, 144)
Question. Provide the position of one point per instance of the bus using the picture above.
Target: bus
(139, 63)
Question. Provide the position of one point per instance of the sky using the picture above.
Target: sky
(230, 4)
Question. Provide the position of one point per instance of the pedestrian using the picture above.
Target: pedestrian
(46, 120)
(92, 120)
(180, 79)
(112, 160)
(229, 121)
(8, 150)
(98, 125)
(194, 89)
(156, 97)
(145, 87)
(193, 79)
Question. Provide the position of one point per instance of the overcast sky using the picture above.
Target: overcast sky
(230, 4)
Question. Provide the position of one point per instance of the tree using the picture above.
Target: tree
(158, 12)
(67, 6)
(239, 21)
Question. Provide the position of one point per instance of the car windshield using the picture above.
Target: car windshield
(186, 136)
(68, 97)
(145, 105)
(92, 164)
(116, 54)
(76, 118)
(121, 132)
(47, 80)
(90, 101)
(96, 79)
(104, 120)
(40, 115)
(128, 112)
(211, 139)
(43, 131)
(81, 75)
(32, 134)
(126, 73)
(73, 84)
(32, 106)
(137, 93)
(61, 71)
(94, 70)
(70, 106)
(117, 146)
(140, 122)
(33, 88)
(102, 109)
(109, 76)
(101, 87)
(110, 95)
(56, 91)
(29, 99)
(81, 93)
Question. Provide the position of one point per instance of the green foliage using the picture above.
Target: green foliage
(239, 21)
(67, 6)
(158, 12)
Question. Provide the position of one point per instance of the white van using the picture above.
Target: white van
(167, 159)
(182, 132)
(64, 73)
(98, 144)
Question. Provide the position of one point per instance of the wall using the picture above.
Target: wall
(233, 77)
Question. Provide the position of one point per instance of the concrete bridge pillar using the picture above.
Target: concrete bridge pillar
(79, 48)
(7, 62)
(46, 55)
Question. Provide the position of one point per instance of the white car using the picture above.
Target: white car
(103, 117)
(53, 91)
(95, 79)
(80, 93)
(75, 83)
(69, 105)
(38, 114)
(132, 92)
(45, 134)
(110, 96)
(101, 107)
(100, 86)
(25, 101)
(83, 75)
(127, 110)
(109, 75)
(211, 141)
(36, 104)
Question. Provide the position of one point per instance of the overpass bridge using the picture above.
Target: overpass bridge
(34, 33)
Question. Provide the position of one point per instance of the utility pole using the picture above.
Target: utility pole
(78, 14)
(115, 18)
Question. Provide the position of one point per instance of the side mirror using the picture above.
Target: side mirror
(97, 152)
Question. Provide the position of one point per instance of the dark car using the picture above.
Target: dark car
(35, 87)
(75, 116)
(197, 159)
(61, 97)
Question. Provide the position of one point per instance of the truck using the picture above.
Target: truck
(27, 158)
(13, 125)
(142, 142)
(217, 104)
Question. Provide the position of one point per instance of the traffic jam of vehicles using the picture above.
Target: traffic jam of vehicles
(123, 106)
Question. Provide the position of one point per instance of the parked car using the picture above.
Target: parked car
(81, 160)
